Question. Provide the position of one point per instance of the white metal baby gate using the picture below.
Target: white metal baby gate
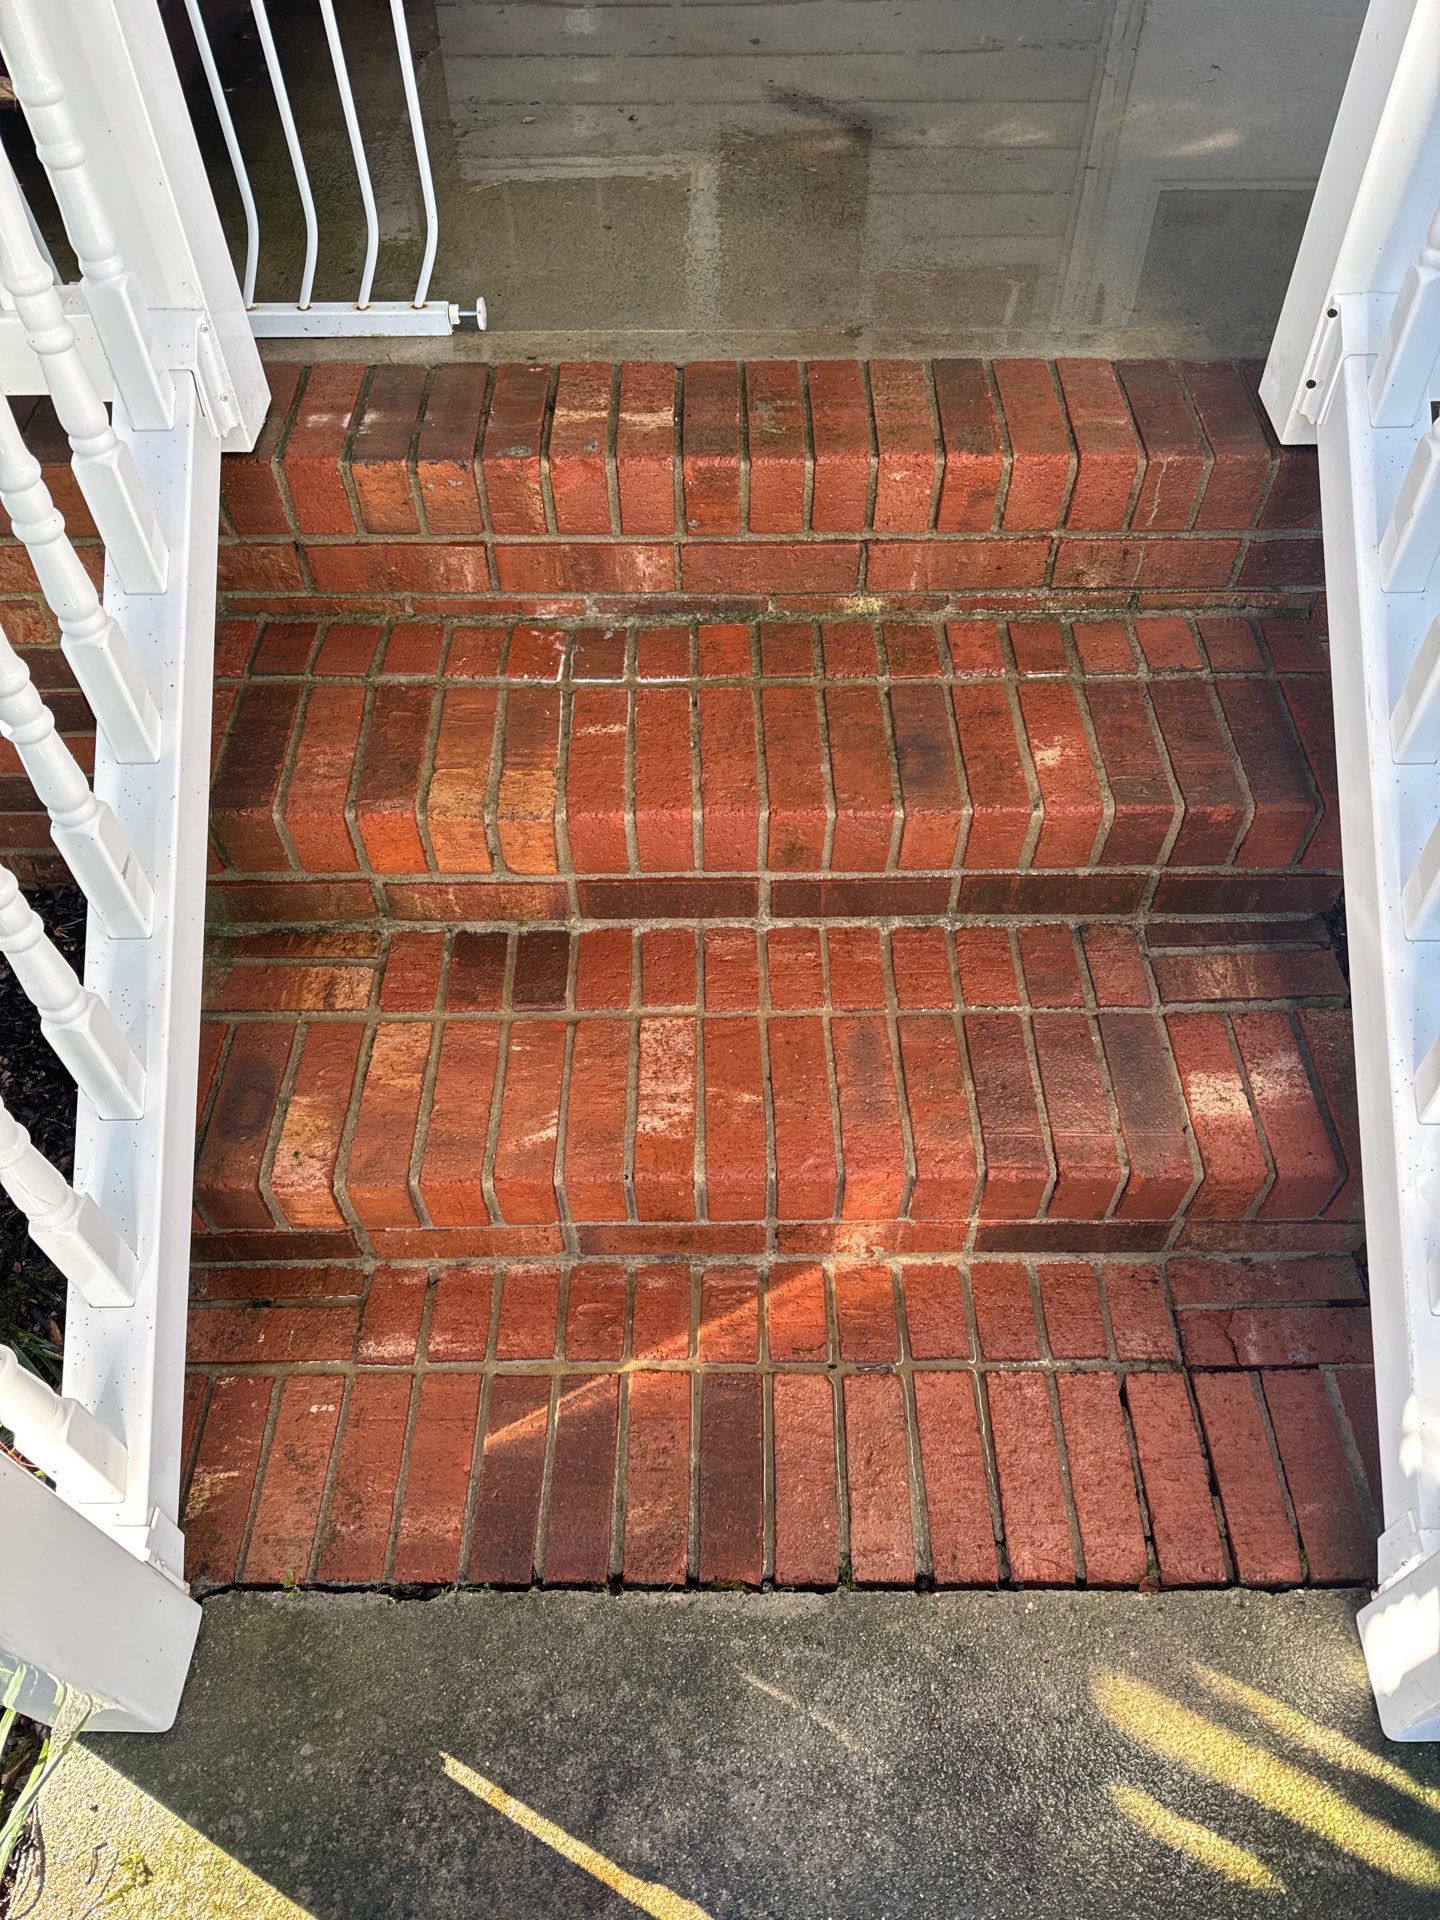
(1354, 367)
(152, 369)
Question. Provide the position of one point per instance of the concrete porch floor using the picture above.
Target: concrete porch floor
(708, 1756)
(702, 178)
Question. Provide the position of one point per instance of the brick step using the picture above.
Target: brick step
(1184, 1422)
(839, 767)
(806, 1089)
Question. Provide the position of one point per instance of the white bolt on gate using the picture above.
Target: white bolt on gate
(152, 367)
(1354, 368)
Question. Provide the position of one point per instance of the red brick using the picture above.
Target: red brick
(921, 961)
(251, 1332)
(460, 1314)
(1176, 457)
(249, 485)
(248, 776)
(579, 439)
(511, 447)
(1357, 1397)
(302, 1176)
(437, 1479)
(871, 1142)
(1103, 646)
(908, 443)
(657, 1480)
(882, 1551)
(1311, 710)
(385, 431)
(645, 448)
(807, 1552)
(455, 800)
(390, 1320)
(730, 1314)
(595, 1314)
(356, 1533)
(840, 431)
(459, 1125)
(795, 1314)
(507, 1508)
(935, 813)
(1070, 1301)
(316, 792)
(660, 1322)
(222, 1486)
(799, 804)
(666, 1098)
(1251, 1282)
(710, 441)
(1139, 1314)
(1017, 1166)
(1334, 1533)
(736, 1180)
(377, 1173)
(999, 791)
(664, 791)
(287, 1513)
(447, 447)
(954, 566)
(1032, 1499)
(974, 452)
(1177, 1482)
(985, 967)
(227, 1177)
(1072, 810)
(315, 445)
(594, 1171)
(775, 439)
(582, 1473)
(1049, 966)
(1215, 803)
(1041, 462)
(1306, 1170)
(962, 1532)
(729, 780)
(1284, 799)
(1151, 1114)
(595, 780)
(935, 1313)
(1109, 455)
(1088, 1169)
(865, 1315)
(806, 566)
(1142, 800)
(1262, 1540)
(1102, 1480)
(1330, 1039)
(529, 1308)
(946, 1173)
(1276, 1336)
(1004, 1310)
(524, 1182)
(1234, 1169)
(1241, 449)
(387, 788)
(581, 567)
(805, 1147)
(732, 1481)
(526, 805)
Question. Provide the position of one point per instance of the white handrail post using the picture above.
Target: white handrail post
(65, 1224)
(58, 1434)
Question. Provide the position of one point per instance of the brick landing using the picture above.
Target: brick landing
(1191, 1422)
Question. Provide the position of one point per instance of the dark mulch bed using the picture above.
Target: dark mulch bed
(39, 1093)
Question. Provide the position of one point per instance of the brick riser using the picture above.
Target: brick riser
(727, 1426)
(839, 1090)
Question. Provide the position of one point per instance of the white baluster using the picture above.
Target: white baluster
(104, 468)
(78, 1026)
(1400, 378)
(63, 1223)
(1420, 898)
(1412, 539)
(112, 292)
(59, 1436)
(108, 672)
(90, 838)
(1415, 717)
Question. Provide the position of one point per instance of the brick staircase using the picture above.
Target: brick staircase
(775, 1007)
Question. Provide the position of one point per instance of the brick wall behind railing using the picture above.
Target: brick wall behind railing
(413, 488)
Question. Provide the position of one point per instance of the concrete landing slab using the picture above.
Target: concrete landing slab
(717, 1755)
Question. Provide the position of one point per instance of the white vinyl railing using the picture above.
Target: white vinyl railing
(152, 368)
(306, 315)
(1354, 368)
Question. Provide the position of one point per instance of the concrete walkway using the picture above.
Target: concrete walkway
(709, 1755)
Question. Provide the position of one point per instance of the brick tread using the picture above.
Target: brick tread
(918, 1087)
(668, 1423)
